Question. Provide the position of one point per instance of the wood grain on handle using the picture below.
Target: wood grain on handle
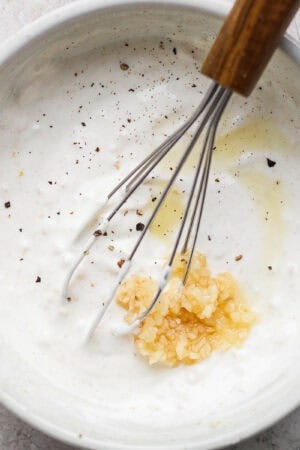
(247, 41)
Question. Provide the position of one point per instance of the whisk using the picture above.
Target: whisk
(235, 62)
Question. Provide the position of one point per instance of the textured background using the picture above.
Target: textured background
(15, 434)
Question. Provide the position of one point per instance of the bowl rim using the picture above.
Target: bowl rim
(8, 49)
(41, 26)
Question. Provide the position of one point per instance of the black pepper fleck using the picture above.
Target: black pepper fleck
(124, 66)
(38, 279)
(7, 204)
(120, 262)
(139, 226)
(270, 162)
(98, 233)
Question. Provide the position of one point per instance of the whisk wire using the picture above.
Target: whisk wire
(212, 107)
(201, 194)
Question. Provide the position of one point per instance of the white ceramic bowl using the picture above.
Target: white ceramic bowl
(88, 24)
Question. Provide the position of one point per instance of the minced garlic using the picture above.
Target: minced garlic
(187, 324)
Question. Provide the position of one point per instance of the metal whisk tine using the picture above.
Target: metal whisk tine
(208, 143)
(211, 107)
(201, 194)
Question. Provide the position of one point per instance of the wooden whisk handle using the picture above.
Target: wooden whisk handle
(247, 41)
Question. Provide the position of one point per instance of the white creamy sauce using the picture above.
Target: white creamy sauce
(54, 177)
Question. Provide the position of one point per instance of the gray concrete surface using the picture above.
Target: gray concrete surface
(16, 435)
